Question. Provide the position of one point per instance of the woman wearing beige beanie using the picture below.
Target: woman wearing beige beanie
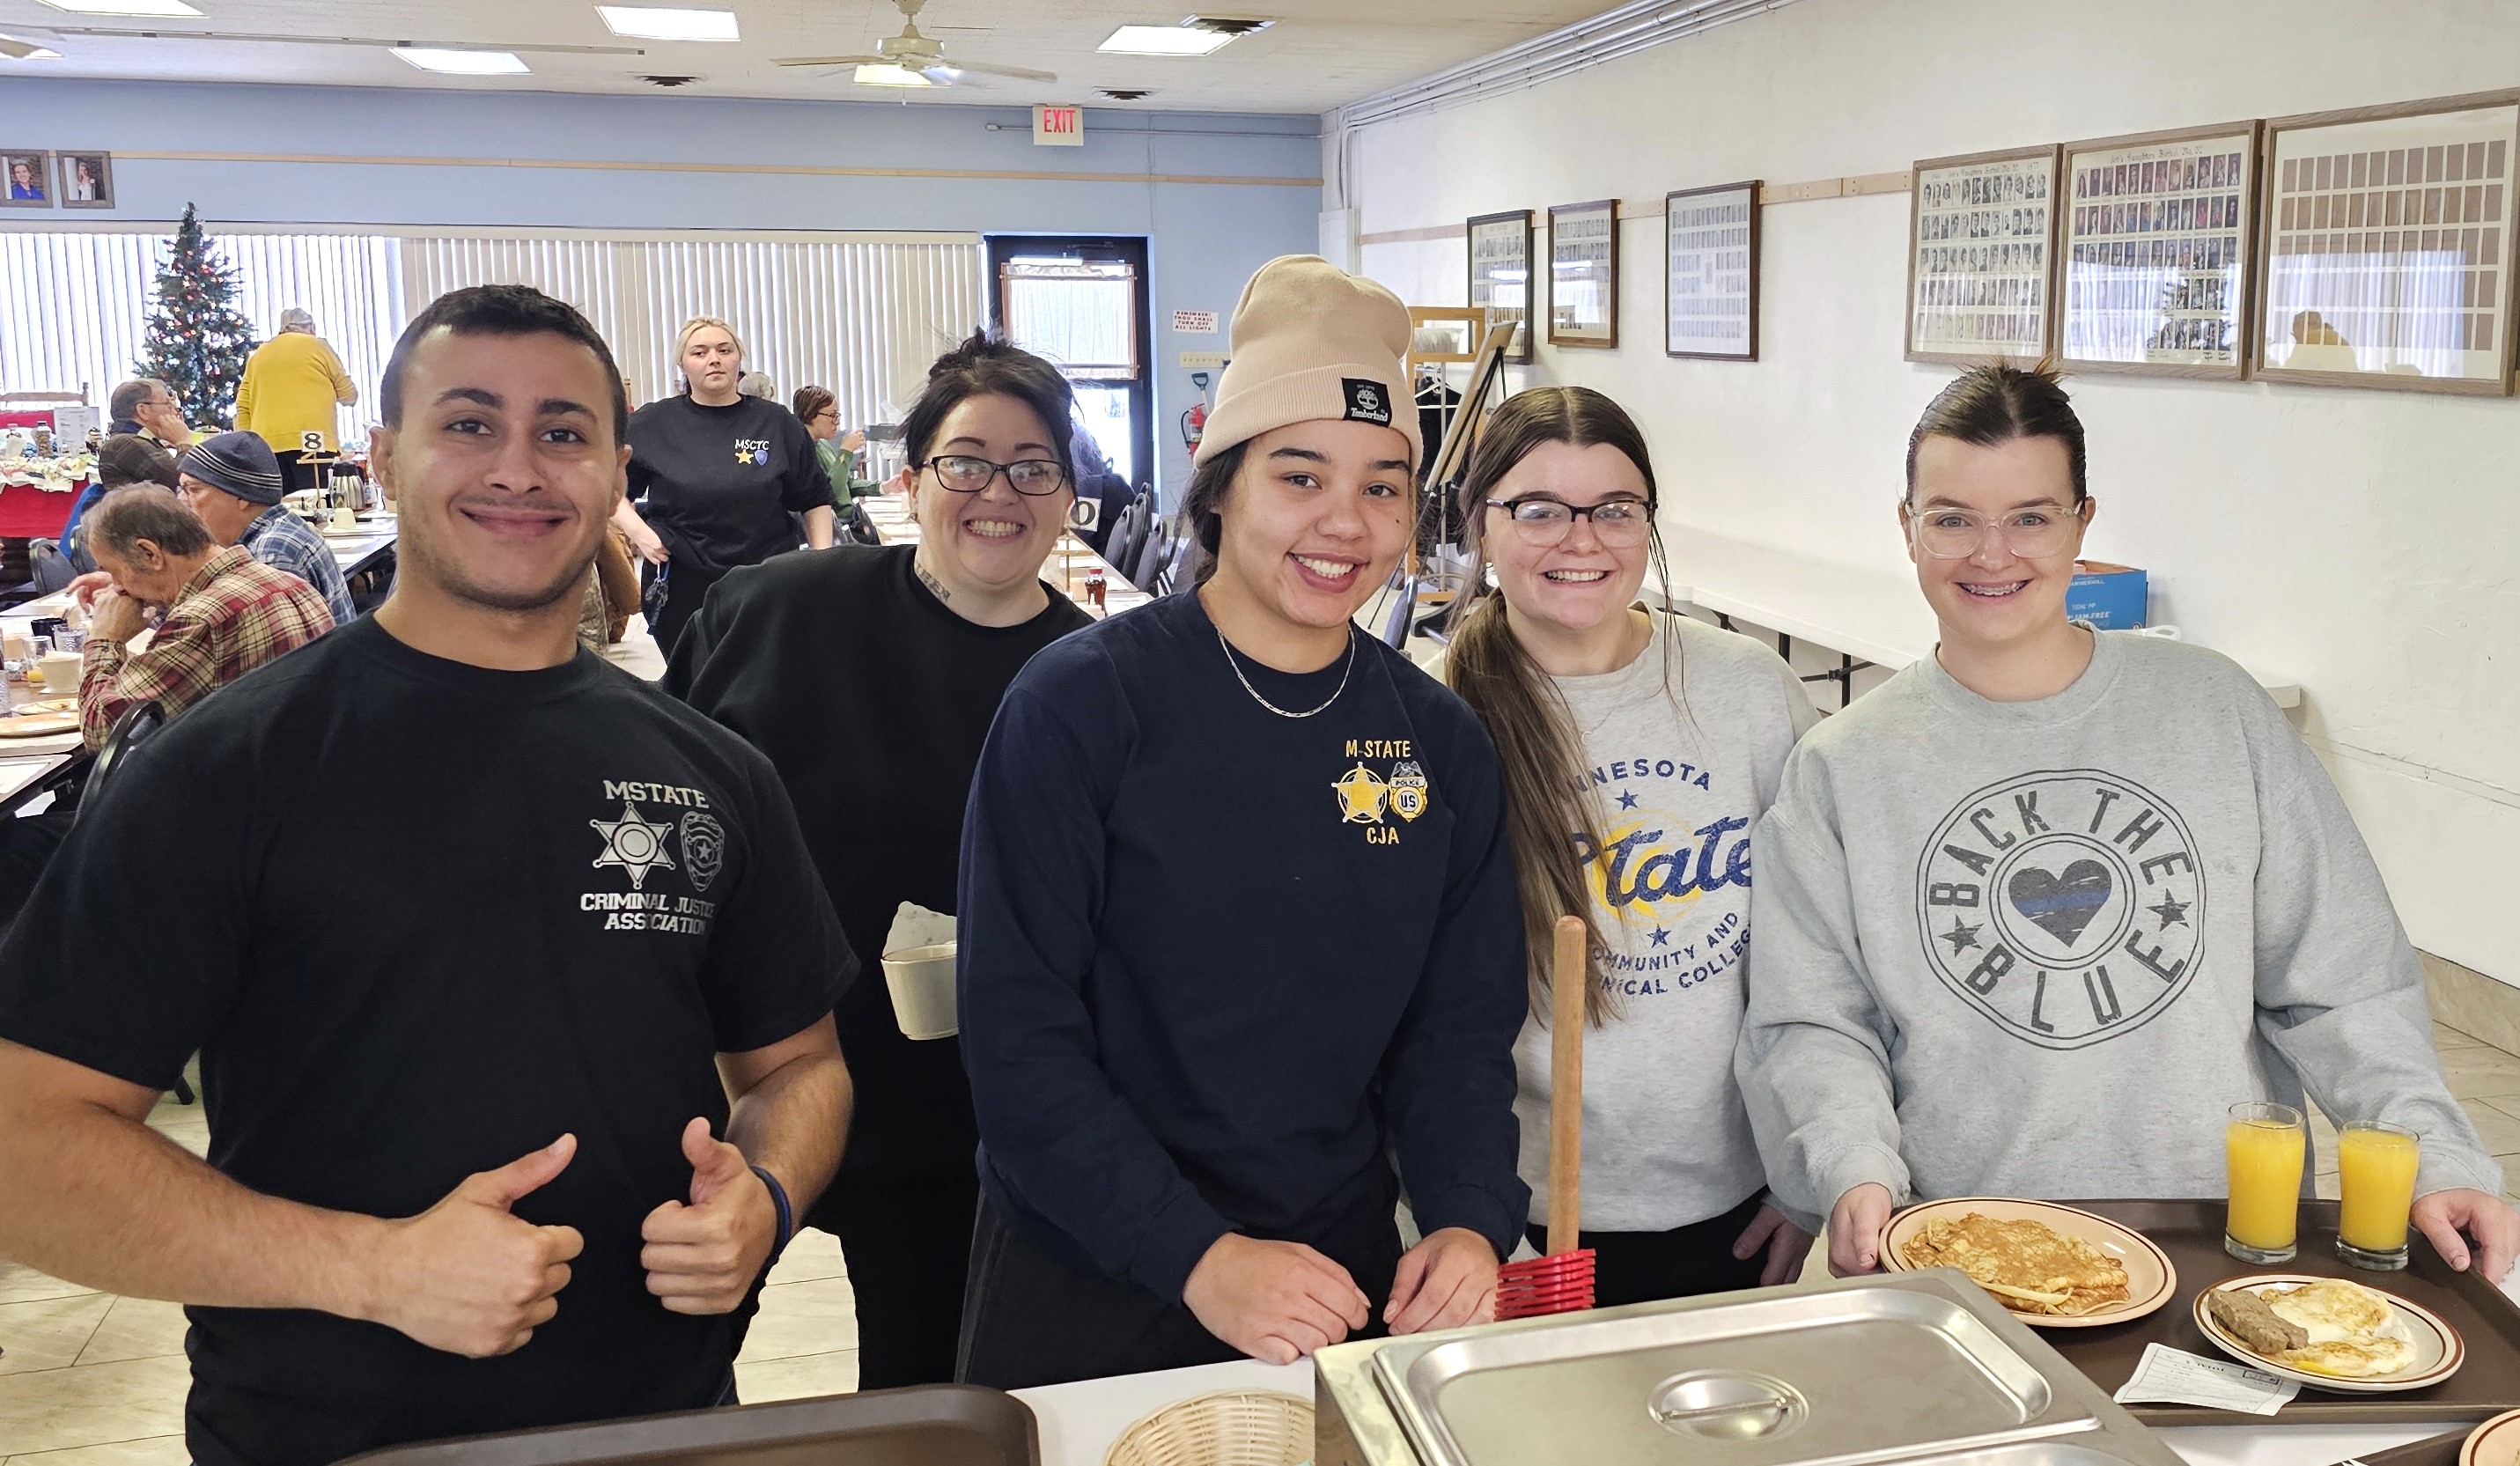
(1237, 919)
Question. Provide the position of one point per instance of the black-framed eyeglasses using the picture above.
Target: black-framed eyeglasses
(965, 474)
(1544, 521)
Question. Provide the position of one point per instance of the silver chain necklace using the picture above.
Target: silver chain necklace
(1275, 708)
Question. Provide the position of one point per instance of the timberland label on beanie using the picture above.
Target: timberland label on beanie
(1312, 343)
(1366, 402)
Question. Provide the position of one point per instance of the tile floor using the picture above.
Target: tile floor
(88, 1379)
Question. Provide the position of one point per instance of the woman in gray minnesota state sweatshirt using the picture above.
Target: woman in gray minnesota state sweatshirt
(1638, 750)
(2037, 946)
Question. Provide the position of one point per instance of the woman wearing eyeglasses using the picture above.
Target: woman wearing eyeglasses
(723, 477)
(869, 675)
(1238, 920)
(1638, 750)
(820, 411)
(2033, 914)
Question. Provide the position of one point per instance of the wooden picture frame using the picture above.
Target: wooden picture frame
(1453, 455)
(2154, 259)
(2385, 248)
(1584, 274)
(25, 172)
(1710, 272)
(97, 185)
(1500, 250)
(1982, 256)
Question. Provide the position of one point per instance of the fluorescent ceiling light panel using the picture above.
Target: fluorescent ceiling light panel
(891, 76)
(660, 23)
(27, 48)
(1163, 40)
(124, 7)
(464, 62)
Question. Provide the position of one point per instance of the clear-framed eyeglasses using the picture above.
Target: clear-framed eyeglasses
(965, 474)
(1621, 524)
(1953, 534)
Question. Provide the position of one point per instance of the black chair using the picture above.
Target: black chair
(1179, 566)
(129, 731)
(1121, 550)
(1155, 548)
(50, 567)
(859, 529)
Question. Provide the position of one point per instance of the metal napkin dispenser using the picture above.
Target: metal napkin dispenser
(1905, 1367)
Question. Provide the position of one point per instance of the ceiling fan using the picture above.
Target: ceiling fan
(918, 55)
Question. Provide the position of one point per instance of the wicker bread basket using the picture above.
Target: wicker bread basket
(1229, 1427)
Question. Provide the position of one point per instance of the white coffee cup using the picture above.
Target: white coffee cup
(921, 981)
(60, 671)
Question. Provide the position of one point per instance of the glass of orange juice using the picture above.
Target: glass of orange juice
(2376, 1167)
(2262, 1147)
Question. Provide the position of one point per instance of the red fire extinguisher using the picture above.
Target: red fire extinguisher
(1194, 424)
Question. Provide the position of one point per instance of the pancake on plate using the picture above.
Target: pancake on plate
(2353, 1332)
(2030, 1266)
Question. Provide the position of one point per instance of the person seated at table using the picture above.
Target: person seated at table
(820, 411)
(2035, 912)
(1238, 923)
(209, 613)
(232, 482)
(498, 1138)
(869, 677)
(143, 409)
(1680, 730)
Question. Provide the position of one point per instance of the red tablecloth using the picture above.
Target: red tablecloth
(28, 512)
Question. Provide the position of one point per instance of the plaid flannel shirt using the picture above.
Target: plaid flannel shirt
(281, 539)
(235, 614)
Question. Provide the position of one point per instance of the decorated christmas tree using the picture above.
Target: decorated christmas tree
(198, 342)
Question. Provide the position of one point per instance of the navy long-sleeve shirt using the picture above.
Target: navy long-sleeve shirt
(1218, 963)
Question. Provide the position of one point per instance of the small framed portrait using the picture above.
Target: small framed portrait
(1501, 275)
(1584, 274)
(26, 178)
(86, 179)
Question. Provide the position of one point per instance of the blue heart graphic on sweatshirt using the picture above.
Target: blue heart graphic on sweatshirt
(2062, 905)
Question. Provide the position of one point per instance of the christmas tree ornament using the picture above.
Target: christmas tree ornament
(198, 341)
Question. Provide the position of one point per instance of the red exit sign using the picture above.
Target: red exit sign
(1058, 126)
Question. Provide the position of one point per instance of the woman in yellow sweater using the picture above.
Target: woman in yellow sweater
(291, 383)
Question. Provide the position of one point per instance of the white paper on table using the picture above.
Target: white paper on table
(2171, 1376)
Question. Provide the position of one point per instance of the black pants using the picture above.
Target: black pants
(294, 475)
(907, 1240)
(1031, 1319)
(686, 587)
(1683, 1263)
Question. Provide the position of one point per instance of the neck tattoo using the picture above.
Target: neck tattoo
(935, 586)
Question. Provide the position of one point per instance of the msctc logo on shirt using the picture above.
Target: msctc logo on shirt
(752, 452)
(2067, 906)
(1364, 795)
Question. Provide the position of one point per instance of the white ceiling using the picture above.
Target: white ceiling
(1320, 55)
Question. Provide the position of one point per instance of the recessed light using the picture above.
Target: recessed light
(464, 62)
(889, 75)
(124, 7)
(1163, 40)
(661, 24)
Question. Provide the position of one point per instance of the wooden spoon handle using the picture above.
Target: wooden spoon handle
(1567, 981)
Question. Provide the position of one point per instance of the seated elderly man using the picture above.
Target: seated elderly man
(220, 613)
(233, 483)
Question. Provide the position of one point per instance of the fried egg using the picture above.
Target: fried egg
(2333, 1310)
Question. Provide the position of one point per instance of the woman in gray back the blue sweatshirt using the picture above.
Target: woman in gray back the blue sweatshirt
(2035, 912)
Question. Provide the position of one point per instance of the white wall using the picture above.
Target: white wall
(2364, 544)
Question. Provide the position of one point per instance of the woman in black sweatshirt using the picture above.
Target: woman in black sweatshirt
(1239, 920)
(869, 677)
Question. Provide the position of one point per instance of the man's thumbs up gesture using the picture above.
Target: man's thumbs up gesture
(701, 1257)
(470, 1278)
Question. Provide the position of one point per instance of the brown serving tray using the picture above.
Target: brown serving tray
(926, 1425)
(2432, 1450)
(2191, 1232)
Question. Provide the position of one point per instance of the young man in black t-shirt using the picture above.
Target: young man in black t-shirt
(511, 978)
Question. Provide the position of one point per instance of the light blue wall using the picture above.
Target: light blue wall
(1205, 239)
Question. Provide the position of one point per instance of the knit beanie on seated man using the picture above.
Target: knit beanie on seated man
(235, 463)
(1310, 343)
